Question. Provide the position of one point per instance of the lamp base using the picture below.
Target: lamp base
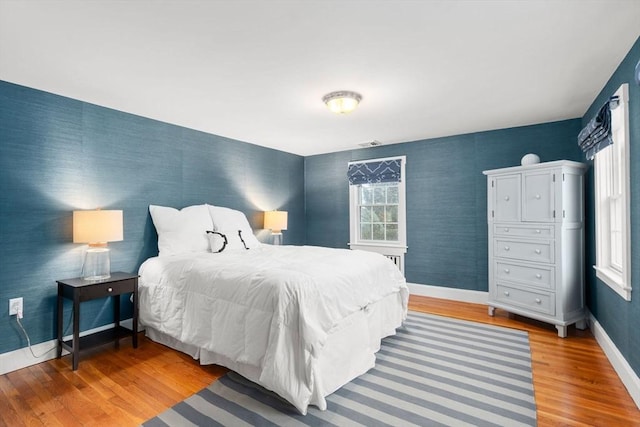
(97, 264)
(277, 238)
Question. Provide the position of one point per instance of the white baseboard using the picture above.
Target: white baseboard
(628, 376)
(22, 357)
(464, 295)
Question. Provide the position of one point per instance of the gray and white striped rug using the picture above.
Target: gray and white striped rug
(436, 371)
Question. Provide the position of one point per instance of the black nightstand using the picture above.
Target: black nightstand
(80, 290)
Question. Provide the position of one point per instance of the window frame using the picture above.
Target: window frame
(385, 247)
(611, 161)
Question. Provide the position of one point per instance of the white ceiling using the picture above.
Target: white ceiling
(256, 70)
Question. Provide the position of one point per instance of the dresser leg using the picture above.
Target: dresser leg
(581, 324)
(492, 311)
(562, 331)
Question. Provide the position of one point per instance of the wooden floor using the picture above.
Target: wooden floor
(574, 383)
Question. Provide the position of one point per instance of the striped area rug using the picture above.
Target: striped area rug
(436, 371)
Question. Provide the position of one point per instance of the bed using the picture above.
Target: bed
(300, 321)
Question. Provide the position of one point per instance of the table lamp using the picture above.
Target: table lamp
(276, 221)
(97, 227)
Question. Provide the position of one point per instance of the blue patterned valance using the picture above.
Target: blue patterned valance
(596, 135)
(376, 171)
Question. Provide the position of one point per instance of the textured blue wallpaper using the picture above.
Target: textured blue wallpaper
(620, 318)
(59, 154)
(446, 196)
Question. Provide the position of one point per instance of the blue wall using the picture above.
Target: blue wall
(446, 196)
(619, 318)
(59, 154)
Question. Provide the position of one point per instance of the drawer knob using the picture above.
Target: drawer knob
(109, 289)
(506, 270)
(537, 231)
(506, 248)
(506, 293)
(538, 300)
(538, 251)
(506, 198)
(538, 276)
(506, 229)
(538, 196)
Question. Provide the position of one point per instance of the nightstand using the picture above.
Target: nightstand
(80, 290)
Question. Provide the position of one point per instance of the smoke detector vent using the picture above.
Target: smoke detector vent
(373, 143)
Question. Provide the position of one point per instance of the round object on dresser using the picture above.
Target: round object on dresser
(530, 159)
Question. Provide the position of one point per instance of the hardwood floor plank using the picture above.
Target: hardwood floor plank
(574, 383)
(8, 414)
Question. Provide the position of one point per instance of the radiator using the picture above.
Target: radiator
(398, 260)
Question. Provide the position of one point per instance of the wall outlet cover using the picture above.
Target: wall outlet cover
(15, 306)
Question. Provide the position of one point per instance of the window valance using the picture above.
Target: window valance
(596, 135)
(377, 171)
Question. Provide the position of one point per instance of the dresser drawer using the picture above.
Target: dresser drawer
(542, 302)
(101, 290)
(527, 251)
(538, 276)
(545, 231)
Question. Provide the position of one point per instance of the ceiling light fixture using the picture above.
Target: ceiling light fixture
(342, 102)
(372, 143)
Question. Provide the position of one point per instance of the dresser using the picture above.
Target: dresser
(535, 218)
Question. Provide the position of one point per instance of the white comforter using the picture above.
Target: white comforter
(270, 307)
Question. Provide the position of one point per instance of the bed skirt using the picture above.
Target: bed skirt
(348, 352)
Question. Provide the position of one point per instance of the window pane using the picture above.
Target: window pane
(392, 232)
(616, 168)
(379, 196)
(392, 194)
(365, 231)
(615, 224)
(378, 231)
(378, 214)
(365, 214)
(391, 213)
(366, 195)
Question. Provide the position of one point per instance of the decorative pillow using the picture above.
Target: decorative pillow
(226, 240)
(244, 243)
(181, 231)
(230, 221)
(236, 243)
(217, 241)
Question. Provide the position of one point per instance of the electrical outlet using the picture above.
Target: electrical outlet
(15, 306)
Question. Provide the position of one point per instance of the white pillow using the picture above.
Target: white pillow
(181, 231)
(229, 222)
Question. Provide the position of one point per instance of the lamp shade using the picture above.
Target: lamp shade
(276, 221)
(97, 226)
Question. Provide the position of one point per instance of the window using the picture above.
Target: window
(378, 211)
(611, 171)
(377, 206)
